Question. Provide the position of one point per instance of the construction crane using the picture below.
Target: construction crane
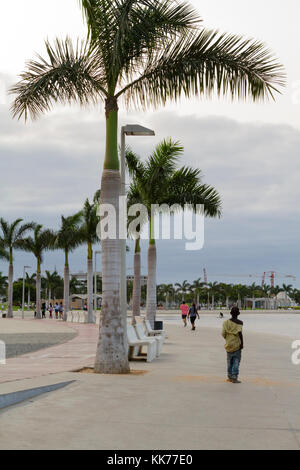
(205, 276)
(271, 274)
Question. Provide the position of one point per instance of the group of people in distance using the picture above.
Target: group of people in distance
(57, 310)
(231, 332)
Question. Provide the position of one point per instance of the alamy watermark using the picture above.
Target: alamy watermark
(296, 353)
(2, 353)
(171, 222)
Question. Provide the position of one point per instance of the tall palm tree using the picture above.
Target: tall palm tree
(213, 286)
(89, 235)
(147, 52)
(197, 286)
(226, 290)
(68, 238)
(52, 280)
(41, 241)
(158, 181)
(183, 288)
(12, 238)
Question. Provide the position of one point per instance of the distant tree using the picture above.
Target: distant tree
(68, 239)
(41, 241)
(12, 238)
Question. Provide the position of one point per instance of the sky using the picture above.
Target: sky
(248, 152)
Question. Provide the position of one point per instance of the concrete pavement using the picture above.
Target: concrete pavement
(180, 401)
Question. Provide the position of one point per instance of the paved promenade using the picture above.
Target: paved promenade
(179, 401)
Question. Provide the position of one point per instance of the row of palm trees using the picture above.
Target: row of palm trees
(157, 181)
(52, 287)
(146, 52)
(75, 230)
(219, 293)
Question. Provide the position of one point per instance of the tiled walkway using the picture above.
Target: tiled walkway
(70, 356)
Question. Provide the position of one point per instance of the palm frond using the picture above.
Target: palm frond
(135, 166)
(204, 63)
(4, 254)
(69, 236)
(142, 27)
(69, 74)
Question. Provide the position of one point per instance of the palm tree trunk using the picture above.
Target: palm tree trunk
(66, 290)
(112, 350)
(136, 295)
(90, 287)
(38, 293)
(10, 291)
(151, 282)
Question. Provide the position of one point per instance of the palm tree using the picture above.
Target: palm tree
(213, 286)
(183, 289)
(12, 238)
(159, 182)
(147, 52)
(226, 289)
(197, 286)
(41, 241)
(89, 235)
(68, 238)
(52, 281)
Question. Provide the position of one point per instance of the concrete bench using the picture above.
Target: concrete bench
(134, 342)
(159, 340)
(152, 332)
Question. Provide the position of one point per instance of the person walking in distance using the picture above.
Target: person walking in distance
(232, 333)
(184, 312)
(193, 314)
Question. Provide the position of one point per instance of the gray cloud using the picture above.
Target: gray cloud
(49, 167)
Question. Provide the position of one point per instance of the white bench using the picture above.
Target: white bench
(70, 317)
(134, 342)
(159, 340)
(152, 332)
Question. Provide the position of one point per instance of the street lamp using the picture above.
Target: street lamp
(23, 290)
(128, 130)
(95, 280)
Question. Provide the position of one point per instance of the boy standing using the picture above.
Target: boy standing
(232, 332)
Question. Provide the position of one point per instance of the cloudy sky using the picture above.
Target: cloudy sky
(250, 153)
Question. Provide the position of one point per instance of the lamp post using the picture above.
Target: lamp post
(128, 130)
(23, 290)
(95, 280)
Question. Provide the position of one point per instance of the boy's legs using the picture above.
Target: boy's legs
(236, 360)
(229, 365)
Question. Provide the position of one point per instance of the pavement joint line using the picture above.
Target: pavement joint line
(10, 399)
